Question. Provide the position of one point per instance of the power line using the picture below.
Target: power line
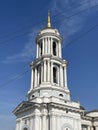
(82, 35)
(22, 74)
(79, 37)
(13, 79)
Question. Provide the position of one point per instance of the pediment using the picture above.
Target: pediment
(23, 106)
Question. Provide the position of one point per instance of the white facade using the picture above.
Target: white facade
(49, 106)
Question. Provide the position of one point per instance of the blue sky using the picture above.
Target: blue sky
(20, 20)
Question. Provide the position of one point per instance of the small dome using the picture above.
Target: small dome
(48, 30)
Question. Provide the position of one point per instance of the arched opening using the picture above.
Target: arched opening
(25, 129)
(61, 95)
(33, 96)
(55, 80)
(41, 48)
(94, 128)
(39, 74)
(54, 48)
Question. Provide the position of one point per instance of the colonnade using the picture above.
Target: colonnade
(45, 74)
(45, 46)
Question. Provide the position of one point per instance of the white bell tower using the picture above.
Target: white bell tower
(49, 76)
(49, 106)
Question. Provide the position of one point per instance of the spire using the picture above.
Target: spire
(49, 22)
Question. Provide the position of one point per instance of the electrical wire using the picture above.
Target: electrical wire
(23, 73)
(14, 79)
(79, 37)
(82, 35)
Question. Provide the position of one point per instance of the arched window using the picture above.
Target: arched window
(54, 48)
(55, 75)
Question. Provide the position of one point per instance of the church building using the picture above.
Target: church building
(49, 106)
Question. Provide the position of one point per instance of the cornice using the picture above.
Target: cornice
(49, 87)
(48, 34)
(48, 57)
(66, 108)
(83, 117)
(25, 106)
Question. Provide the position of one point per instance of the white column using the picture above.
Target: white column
(36, 123)
(96, 127)
(88, 128)
(48, 74)
(37, 51)
(35, 77)
(65, 77)
(44, 122)
(41, 72)
(58, 123)
(91, 128)
(59, 44)
(43, 46)
(17, 125)
(32, 79)
(28, 122)
(57, 49)
(52, 122)
(51, 44)
(58, 71)
(51, 72)
(44, 70)
(61, 75)
(48, 45)
(31, 123)
(20, 124)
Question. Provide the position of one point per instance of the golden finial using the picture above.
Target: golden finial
(49, 22)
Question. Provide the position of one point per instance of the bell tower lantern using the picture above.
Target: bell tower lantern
(48, 77)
